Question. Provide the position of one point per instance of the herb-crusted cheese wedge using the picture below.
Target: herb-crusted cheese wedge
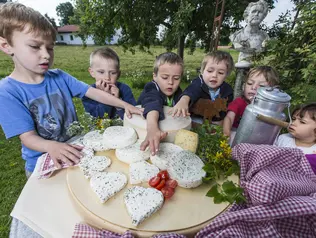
(141, 203)
(116, 137)
(186, 168)
(141, 171)
(132, 153)
(94, 164)
(107, 184)
(166, 150)
(187, 140)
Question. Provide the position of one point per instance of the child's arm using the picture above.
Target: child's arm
(228, 122)
(58, 151)
(109, 99)
(182, 107)
(154, 134)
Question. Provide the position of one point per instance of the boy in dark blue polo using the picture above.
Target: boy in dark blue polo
(163, 90)
(105, 69)
(215, 68)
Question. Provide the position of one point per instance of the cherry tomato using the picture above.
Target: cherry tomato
(163, 174)
(171, 183)
(154, 181)
(167, 192)
(161, 184)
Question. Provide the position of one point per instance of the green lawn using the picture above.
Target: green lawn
(75, 61)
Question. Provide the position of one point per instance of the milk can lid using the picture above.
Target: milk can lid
(273, 94)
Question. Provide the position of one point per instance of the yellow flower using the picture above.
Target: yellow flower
(219, 155)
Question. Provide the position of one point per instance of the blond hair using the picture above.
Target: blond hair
(106, 53)
(168, 57)
(268, 73)
(219, 56)
(16, 17)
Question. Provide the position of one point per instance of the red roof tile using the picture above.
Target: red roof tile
(68, 28)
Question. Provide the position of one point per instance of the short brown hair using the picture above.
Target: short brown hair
(268, 73)
(15, 17)
(306, 108)
(106, 53)
(219, 56)
(167, 57)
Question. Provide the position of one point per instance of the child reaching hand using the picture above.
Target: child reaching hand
(105, 69)
(215, 68)
(36, 102)
(260, 76)
(302, 130)
(163, 90)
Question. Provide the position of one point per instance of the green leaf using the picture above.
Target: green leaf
(213, 192)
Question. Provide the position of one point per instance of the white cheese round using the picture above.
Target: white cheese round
(116, 137)
(186, 168)
(166, 150)
(94, 140)
(132, 153)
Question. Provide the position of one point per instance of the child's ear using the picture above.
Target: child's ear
(154, 76)
(5, 46)
(91, 72)
(119, 74)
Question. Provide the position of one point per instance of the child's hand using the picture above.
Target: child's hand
(114, 90)
(180, 109)
(130, 109)
(102, 85)
(63, 152)
(153, 138)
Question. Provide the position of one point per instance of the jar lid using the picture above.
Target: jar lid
(273, 94)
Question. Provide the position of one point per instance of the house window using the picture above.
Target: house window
(61, 38)
(71, 37)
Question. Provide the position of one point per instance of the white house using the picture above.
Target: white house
(68, 34)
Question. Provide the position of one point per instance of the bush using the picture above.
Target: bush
(138, 79)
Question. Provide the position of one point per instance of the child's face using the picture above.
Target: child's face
(32, 54)
(168, 78)
(252, 85)
(104, 70)
(214, 73)
(303, 128)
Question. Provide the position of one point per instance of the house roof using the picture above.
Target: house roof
(68, 28)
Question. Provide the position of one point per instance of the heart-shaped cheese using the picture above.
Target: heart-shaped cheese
(132, 153)
(141, 203)
(141, 171)
(94, 164)
(107, 184)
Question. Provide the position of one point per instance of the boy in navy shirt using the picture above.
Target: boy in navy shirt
(163, 90)
(215, 68)
(105, 69)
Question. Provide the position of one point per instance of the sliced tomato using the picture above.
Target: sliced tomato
(171, 183)
(154, 181)
(167, 192)
(163, 174)
(161, 184)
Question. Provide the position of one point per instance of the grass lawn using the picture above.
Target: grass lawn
(75, 61)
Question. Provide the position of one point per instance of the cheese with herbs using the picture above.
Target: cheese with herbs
(94, 164)
(142, 202)
(94, 140)
(116, 137)
(132, 153)
(186, 168)
(141, 171)
(187, 140)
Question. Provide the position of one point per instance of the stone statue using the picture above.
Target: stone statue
(251, 39)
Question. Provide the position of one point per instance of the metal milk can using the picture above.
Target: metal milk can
(263, 118)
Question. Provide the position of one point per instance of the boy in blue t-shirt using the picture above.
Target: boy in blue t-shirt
(105, 69)
(35, 102)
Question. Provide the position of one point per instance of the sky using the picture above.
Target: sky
(49, 7)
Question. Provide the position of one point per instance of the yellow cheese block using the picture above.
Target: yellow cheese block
(187, 140)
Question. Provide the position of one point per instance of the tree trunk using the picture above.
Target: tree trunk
(181, 46)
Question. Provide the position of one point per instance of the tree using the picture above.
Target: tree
(65, 11)
(140, 20)
(51, 20)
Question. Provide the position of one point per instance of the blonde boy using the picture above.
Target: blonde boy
(215, 68)
(35, 102)
(105, 69)
(163, 90)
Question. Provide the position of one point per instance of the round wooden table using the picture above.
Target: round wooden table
(187, 212)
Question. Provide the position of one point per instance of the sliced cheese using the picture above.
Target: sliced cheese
(94, 164)
(107, 184)
(141, 203)
(166, 150)
(141, 171)
(132, 153)
(116, 137)
(186, 168)
(187, 140)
